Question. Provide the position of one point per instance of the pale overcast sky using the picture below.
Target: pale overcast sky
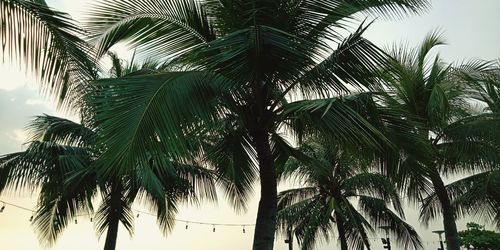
(471, 29)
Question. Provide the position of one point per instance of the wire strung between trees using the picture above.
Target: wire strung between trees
(14, 205)
(178, 220)
(140, 212)
(200, 222)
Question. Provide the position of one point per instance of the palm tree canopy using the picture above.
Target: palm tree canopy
(58, 162)
(476, 194)
(230, 57)
(236, 62)
(332, 181)
(435, 96)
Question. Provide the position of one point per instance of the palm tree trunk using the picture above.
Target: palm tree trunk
(450, 226)
(265, 225)
(112, 234)
(114, 218)
(341, 230)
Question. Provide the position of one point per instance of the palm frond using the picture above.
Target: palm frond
(413, 177)
(50, 47)
(201, 180)
(353, 64)
(291, 196)
(374, 185)
(381, 215)
(34, 166)
(356, 226)
(161, 193)
(59, 130)
(57, 207)
(334, 117)
(235, 163)
(286, 54)
(475, 195)
(330, 14)
(433, 39)
(309, 219)
(160, 28)
(136, 113)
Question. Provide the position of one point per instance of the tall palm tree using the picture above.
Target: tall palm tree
(49, 44)
(434, 95)
(331, 181)
(236, 62)
(477, 194)
(58, 161)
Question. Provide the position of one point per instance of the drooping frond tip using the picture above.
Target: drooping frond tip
(48, 44)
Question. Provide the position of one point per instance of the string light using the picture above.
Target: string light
(201, 222)
(138, 213)
(56, 222)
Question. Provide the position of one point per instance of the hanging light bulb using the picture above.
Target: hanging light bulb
(1, 209)
(243, 229)
(76, 222)
(213, 229)
(187, 225)
(90, 219)
(31, 218)
(137, 215)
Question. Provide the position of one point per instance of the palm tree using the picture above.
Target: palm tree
(477, 194)
(331, 180)
(234, 63)
(51, 47)
(58, 161)
(434, 95)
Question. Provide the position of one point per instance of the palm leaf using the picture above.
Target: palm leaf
(235, 162)
(161, 28)
(333, 117)
(381, 215)
(50, 47)
(162, 104)
(59, 130)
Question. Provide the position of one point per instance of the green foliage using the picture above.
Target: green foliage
(59, 161)
(332, 180)
(230, 67)
(478, 238)
(51, 47)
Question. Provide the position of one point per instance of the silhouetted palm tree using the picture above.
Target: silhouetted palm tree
(58, 161)
(231, 64)
(479, 193)
(332, 180)
(435, 96)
